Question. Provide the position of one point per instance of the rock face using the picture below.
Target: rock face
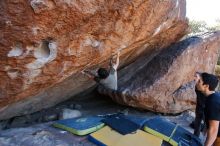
(165, 84)
(69, 113)
(43, 134)
(44, 44)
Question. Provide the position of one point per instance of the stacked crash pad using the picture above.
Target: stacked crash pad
(80, 126)
(126, 130)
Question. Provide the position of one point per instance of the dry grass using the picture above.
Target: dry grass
(217, 71)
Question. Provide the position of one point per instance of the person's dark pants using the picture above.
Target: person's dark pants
(200, 106)
(198, 124)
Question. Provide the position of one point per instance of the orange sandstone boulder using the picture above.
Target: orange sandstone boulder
(44, 44)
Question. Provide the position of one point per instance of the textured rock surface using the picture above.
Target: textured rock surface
(69, 113)
(165, 84)
(44, 44)
(42, 134)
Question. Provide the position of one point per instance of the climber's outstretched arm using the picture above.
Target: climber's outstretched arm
(116, 64)
(89, 74)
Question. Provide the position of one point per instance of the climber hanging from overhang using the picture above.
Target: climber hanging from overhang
(106, 78)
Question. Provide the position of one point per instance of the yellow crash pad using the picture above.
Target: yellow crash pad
(139, 138)
(110, 137)
(106, 136)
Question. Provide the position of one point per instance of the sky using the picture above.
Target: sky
(203, 10)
